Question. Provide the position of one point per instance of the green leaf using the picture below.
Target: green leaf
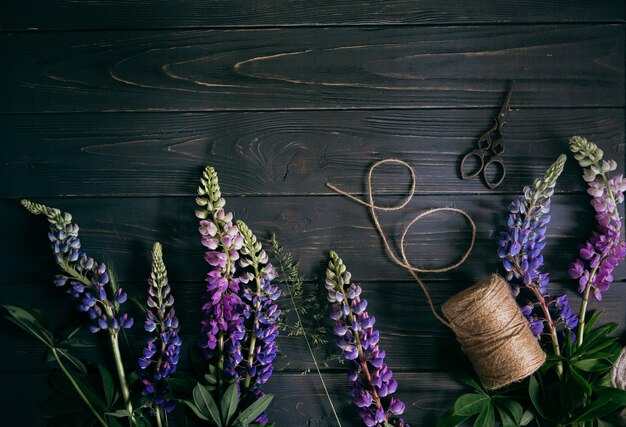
(120, 413)
(592, 321)
(580, 380)
(230, 399)
(505, 417)
(470, 404)
(486, 418)
(251, 413)
(536, 396)
(195, 410)
(597, 409)
(513, 408)
(526, 418)
(206, 404)
(32, 321)
(450, 419)
(592, 365)
(613, 394)
(108, 386)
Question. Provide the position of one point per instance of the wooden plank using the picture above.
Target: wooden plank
(413, 339)
(285, 153)
(299, 400)
(63, 14)
(124, 230)
(321, 68)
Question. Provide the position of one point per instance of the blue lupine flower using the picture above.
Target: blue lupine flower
(88, 282)
(372, 380)
(160, 356)
(261, 313)
(520, 248)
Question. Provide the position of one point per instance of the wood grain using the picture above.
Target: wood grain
(123, 229)
(286, 153)
(320, 68)
(148, 14)
(412, 338)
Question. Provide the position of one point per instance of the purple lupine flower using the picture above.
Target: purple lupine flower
(160, 356)
(261, 314)
(88, 282)
(605, 248)
(520, 249)
(223, 323)
(372, 380)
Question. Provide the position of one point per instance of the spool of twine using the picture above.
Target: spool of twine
(618, 372)
(493, 333)
(485, 317)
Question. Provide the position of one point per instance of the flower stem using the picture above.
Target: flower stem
(257, 308)
(158, 417)
(77, 388)
(113, 335)
(551, 327)
(306, 340)
(583, 309)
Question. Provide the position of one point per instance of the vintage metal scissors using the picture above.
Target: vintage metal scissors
(492, 139)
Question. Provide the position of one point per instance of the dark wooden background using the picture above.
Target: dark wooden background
(111, 109)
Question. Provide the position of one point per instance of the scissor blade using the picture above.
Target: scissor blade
(505, 106)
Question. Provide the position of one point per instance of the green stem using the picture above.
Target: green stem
(583, 309)
(77, 388)
(257, 308)
(113, 335)
(583, 304)
(158, 417)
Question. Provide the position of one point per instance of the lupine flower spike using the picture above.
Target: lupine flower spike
(88, 283)
(160, 356)
(520, 251)
(372, 382)
(222, 326)
(261, 314)
(605, 248)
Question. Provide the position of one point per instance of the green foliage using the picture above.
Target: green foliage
(486, 406)
(227, 413)
(309, 308)
(581, 394)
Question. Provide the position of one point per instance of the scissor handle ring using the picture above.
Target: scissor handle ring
(497, 160)
(498, 147)
(481, 156)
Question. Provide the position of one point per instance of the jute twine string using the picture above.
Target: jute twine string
(485, 317)
(493, 333)
(404, 262)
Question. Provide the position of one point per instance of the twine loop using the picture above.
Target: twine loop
(404, 261)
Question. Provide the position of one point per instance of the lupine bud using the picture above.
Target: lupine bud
(160, 356)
